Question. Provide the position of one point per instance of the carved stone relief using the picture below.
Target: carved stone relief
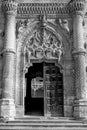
(38, 40)
(46, 46)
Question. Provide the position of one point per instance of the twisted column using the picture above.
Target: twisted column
(7, 104)
(80, 104)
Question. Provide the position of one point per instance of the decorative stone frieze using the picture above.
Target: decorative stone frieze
(9, 6)
(42, 8)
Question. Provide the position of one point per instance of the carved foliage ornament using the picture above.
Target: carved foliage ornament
(44, 45)
(39, 40)
(9, 6)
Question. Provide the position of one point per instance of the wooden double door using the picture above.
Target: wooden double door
(52, 91)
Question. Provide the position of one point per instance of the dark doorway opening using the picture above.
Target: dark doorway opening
(44, 90)
(34, 100)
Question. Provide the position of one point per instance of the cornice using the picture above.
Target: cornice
(9, 6)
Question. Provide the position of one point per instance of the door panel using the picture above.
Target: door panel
(53, 90)
(59, 93)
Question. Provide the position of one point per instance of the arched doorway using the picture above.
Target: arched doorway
(44, 90)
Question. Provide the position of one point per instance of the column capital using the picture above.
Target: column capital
(9, 6)
(77, 7)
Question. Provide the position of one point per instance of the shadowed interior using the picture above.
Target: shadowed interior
(34, 106)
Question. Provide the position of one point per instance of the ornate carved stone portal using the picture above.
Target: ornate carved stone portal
(49, 34)
(41, 43)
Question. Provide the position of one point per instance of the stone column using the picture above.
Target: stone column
(80, 104)
(7, 105)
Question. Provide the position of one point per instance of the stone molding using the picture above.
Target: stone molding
(79, 51)
(42, 8)
(9, 6)
(75, 6)
(9, 50)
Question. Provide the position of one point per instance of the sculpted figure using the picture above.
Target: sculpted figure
(64, 24)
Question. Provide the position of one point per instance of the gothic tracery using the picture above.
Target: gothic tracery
(40, 42)
(46, 46)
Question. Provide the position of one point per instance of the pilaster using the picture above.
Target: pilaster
(77, 9)
(7, 105)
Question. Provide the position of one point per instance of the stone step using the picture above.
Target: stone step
(47, 120)
(30, 127)
(38, 128)
(38, 123)
(45, 125)
(42, 117)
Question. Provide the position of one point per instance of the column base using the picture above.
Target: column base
(7, 109)
(80, 109)
(19, 111)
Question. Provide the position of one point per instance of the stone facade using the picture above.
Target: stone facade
(43, 31)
